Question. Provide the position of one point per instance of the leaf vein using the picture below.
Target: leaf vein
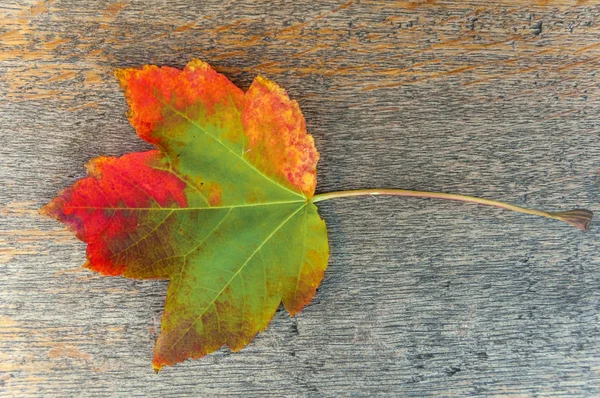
(199, 317)
(144, 237)
(193, 122)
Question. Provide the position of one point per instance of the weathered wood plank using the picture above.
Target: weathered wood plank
(422, 298)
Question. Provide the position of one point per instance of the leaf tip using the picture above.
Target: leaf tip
(93, 167)
(195, 64)
(121, 75)
(45, 210)
(271, 86)
(580, 218)
(293, 308)
(53, 209)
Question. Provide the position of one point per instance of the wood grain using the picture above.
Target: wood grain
(422, 297)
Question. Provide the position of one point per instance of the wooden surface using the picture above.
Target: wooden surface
(421, 297)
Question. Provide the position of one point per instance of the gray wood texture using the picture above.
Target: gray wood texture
(422, 297)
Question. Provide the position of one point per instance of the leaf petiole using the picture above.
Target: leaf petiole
(580, 218)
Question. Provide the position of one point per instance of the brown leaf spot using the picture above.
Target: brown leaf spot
(214, 194)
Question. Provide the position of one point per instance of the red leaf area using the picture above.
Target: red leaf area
(150, 89)
(273, 123)
(91, 207)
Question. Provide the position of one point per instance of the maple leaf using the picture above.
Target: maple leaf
(224, 208)
(215, 210)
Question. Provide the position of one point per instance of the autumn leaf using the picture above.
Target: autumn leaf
(224, 208)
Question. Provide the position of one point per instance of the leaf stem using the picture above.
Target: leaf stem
(580, 218)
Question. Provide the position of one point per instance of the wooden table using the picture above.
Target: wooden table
(421, 297)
